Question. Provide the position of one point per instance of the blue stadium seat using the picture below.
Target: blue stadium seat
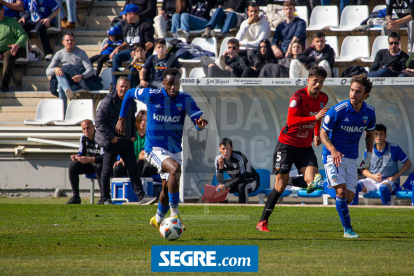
(284, 194)
(317, 193)
(404, 194)
(372, 195)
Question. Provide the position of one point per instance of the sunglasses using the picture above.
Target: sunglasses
(393, 43)
(232, 48)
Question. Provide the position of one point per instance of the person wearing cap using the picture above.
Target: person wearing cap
(136, 30)
(114, 40)
(12, 41)
(147, 10)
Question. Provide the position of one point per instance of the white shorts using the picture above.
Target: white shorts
(373, 186)
(158, 155)
(346, 173)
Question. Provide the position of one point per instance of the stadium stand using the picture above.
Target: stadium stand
(77, 111)
(323, 17)
(380, 42)
(352, 48)
(351, 18)
(47, 112)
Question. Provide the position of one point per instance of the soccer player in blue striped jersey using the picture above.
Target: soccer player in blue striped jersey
(342, 128)
(167, 109)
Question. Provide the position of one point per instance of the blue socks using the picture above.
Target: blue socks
(343, 212)
(161, 212)
(174, 200)
(329, 191)
(385, 193)
(356, 197)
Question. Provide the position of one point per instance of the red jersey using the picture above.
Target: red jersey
(301, 123)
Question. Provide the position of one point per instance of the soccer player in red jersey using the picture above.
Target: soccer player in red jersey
(306, 109)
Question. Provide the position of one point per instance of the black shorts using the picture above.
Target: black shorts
(285, 156)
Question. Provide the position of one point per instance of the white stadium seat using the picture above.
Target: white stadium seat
(223, 46)
(351, 18)
(197, 73)
(323, 17)
(77, 111)
(302, 13)
(379, 7)
(48, 111)
(333, 42)
(380, 42)
(209, 44)
(106, 77)
(353, 47)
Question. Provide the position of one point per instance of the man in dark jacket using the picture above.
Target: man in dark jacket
(82, 164)
(136, 30)
(114, 144)
(317, 54)
(389, 62)
(229, 65)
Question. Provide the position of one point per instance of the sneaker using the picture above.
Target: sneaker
(315, 184)
(171, 35)
(70, 95)
(100, 202)
(178, 216)
(349, 233)
(74, 200)
(262, 226)
(147, 200)
(108, 201)
(207, 33)
(82, 90)
(49, 57)
(183, 34)
(221, 63)
(220, 35)
(154, 223)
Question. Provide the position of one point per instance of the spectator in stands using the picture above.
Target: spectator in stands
(69, 21)
(157, 64)
(114, 40)
(83, 164)
(383, 173)
(136, 30)
(12, 42)
(12, 8)
(258, 59)
(138, 60)
(243, 177)
(168, 9)
(254, 29)
(147, 8)
(317, 54)
(225, 17)
(389, 62)
(144, 167)
(409, 70)
(404, 10)
(230, 64)
(115, 144)
(40, 18)
(76, 70)
(282, 68)
(290, 30)
(198, 19)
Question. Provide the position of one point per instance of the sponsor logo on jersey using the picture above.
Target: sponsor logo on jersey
(179, 106)
(321, 105)
(277, 166)
(353, 128)
(293, 103)
(166, 118)
(327, 119)
(140, 91)
(365, 119)
(346, 119)
(313, 113)
(158, 106)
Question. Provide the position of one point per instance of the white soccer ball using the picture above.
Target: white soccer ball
(171, 228)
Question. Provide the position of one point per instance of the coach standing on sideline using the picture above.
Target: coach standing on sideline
(114, 144)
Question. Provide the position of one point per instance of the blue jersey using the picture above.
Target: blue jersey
(9, 12)
(345, 127)
(165, 116)
(40, 9)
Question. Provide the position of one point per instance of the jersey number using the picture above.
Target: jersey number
(278, 156)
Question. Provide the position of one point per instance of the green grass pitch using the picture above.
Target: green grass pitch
(46, 237)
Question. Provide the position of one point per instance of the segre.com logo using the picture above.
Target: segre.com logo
(198, 258)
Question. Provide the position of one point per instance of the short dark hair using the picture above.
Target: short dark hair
(171, 72)
(226, 142)
(252, 4)
(364, 80)
(233, 41)
(65, 33)
(394, 35)
(289, 3)
(139, 45)
(160, 41)
(381, 127)
(317, 70)
(318, 35)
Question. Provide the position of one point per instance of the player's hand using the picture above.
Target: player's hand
(378, 177)
(220, 187)
(321, 113)
(83, 159)
(119, 163)
(365, 163)
(392, 179)
(115, 140)
(120, 126)
(201, 123)
(317, 141)
(221, 162)
(58, 72)
(74, 157)
(14, 48)
(336, 157)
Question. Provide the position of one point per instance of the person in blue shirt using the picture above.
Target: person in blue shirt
(40, 15)
(289, 31)
(167, 109)
(383, 174)
(342, 128)
(12, 8)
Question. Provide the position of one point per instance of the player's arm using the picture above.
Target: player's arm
(140, 94)
(377, 177)
(401, 156)
(195, 113)
(336, 155)
(220, 169)
(240, 177)
(294, 119)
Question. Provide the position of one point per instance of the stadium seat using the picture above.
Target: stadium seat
(140, 106)
(284, 194)
(302, 13)
(404, 194)
(379, 7)
(197, 73)
(77, 111)
(183, 72)
(380, 42)
(323, 17)
(317, 193)
(351, 18)
(264, 183)
(209, 44)
(106, 77)
(56, 29)
(353, 47)
(374, 195)
(48, 111)
(333, 42)
(92, 177)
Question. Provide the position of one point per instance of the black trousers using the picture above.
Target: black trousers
(8, 64)
(41, 31)
(77, 168)
(101, 59)
(244, 188)
(124, 148)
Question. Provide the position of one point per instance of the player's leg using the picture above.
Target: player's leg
(385, 188)
(359, 188)
(163, 206)
(308, 166)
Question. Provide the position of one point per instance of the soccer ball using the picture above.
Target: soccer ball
(171, 228)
